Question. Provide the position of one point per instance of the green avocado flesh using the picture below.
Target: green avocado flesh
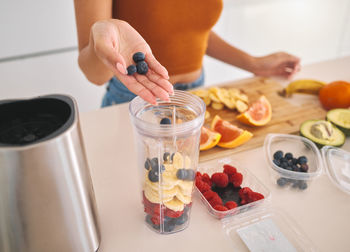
(322, 133)
(341, 119)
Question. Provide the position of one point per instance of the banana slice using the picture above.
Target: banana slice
(175, 204)
(241, 106)
(206, 100)
(178, 161)
(206, 115)
(186, 187)
(154, 197)
(202, 93)
(184, 199)
(217, 106)
(242, 97)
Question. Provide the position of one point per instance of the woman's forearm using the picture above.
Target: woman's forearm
(221, 50)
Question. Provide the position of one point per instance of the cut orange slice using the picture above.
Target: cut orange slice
(231, 135)
(209, 139)
(258, 114)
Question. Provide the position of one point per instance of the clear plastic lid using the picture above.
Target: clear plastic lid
(337, 164)
(266, 229)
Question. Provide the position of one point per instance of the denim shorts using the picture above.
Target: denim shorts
(117, 93)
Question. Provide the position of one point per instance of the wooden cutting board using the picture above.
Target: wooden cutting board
(287, 114)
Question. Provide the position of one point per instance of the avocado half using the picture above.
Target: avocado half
(341, 119)
(322, 133)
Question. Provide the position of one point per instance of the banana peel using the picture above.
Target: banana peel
(304, 86)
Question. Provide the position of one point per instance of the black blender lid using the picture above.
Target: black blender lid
(29, 121)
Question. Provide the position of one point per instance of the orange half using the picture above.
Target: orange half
(231, 135)
(209, 139)
(258, 114)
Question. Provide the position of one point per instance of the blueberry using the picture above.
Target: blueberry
(302, 160)
(294, 161)
(162, 168)
(302, 185)
(142, 67)
(276, 162)
(181, 174)
(295, 183)
(284, 165)
(295, 168)
(182, 219)
(304, 167)
(131, 69)
(172, 157)
(283, 160)
(288, 156)
(190, 175)
(139, 56)
(165, 120)
(166, 156)
(169, 226)
(282, 182)
(278, 155)
(153, 175)
(287, 167)
(148, 219)
(154, 163)
(148, 164)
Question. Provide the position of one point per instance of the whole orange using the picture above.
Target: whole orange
(335, 95)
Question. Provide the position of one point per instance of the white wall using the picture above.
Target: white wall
(314, 30)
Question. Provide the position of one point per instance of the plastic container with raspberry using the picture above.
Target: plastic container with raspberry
(226, 188)
(293, 161)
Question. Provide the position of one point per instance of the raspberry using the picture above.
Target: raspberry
(148, 210)
(243, 192)
(220, 179)
(229, 169)
(173, 214)
(146, 202)
(155, 220)
(198, 175)
(209, 195)
(236, 179)
(215, 201)
(220, 208)
(202, 187)
(231, 204)
(255, 196)
(206, 179)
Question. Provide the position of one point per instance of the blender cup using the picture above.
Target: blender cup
(167, 137)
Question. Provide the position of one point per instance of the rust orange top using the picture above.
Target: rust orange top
(176, 30)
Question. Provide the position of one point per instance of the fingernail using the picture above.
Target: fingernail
(121, 69)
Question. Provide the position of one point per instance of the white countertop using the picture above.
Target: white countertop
(322, 211)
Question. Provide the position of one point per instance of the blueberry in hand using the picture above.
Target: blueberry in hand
(139, 56)
(181, 174)
(131, 69)
(165, 120)
(302, 160)
(142, 67)
(153, 175)
(278, 155)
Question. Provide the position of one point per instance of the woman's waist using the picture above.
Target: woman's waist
(185, 77)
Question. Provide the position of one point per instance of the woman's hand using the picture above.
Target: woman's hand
(114, 42)
(277, 64)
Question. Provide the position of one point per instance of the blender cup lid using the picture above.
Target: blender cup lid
(337, 165)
